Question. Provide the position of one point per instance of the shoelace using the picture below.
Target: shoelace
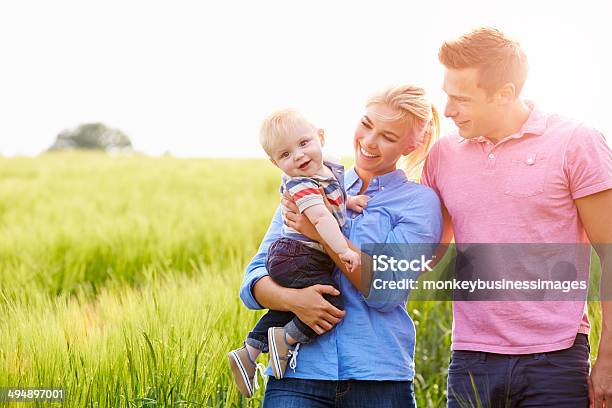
(294, 354)
(259, 367)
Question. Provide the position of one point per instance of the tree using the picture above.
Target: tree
(92, 136)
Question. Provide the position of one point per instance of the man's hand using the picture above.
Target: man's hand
(310, 306)
(357, 203)
(600, 383)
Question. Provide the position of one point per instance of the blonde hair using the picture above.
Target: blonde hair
(498, 58)
(411, 106)
(278, 125)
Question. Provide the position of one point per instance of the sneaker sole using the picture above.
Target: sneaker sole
(276, 370)
(239, 372)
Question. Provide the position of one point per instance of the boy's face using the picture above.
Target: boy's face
(473, 111)
(299, 153)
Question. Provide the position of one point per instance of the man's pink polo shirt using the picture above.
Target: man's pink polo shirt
(520, 190)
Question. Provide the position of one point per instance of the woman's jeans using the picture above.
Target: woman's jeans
(300, 393)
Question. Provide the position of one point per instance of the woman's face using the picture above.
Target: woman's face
(380, 142)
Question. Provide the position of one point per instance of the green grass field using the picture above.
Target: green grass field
(119, 280)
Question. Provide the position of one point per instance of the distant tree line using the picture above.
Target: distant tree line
(92, 136)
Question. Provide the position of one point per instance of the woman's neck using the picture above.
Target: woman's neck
(366, 177)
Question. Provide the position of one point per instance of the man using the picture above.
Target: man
(513, 174)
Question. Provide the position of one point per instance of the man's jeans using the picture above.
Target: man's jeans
(299, 393)
(553, 379)
(292, 264)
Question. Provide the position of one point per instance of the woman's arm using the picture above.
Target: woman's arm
(308, 304)
(416, 235)
(420, 224)
(259, 291)
(360, 278)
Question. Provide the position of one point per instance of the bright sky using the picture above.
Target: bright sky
(195, 78)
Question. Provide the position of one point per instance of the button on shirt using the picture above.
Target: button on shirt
(375, 340)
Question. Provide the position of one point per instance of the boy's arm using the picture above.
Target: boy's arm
(327, 227)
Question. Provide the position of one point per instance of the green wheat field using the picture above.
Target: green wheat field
(119, 279)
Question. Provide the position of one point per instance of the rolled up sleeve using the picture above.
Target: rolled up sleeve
(417, 234)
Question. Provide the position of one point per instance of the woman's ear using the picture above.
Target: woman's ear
(408, 149)
(409, 144)
(321, 134)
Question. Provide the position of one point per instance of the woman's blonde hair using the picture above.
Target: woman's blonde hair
(411, 105)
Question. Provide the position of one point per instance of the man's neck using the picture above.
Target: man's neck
(511, 122)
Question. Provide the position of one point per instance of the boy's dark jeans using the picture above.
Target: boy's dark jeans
(292, 264)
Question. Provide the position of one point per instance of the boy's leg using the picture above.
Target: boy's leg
(292, 264)
(242, 361)
(318, 270)
(258, 337)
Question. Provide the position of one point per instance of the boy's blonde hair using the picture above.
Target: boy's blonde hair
(411, 106)
(498, 58)
(278, 125)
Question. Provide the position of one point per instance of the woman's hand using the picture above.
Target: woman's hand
(309, 305)
(297, 221)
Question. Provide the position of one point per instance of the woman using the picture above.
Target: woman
(368, 357)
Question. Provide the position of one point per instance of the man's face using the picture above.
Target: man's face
(474, 113)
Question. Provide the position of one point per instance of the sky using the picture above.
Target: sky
(195, 78)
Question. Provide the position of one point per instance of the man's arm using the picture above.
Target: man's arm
(448, 235)
(596, 217)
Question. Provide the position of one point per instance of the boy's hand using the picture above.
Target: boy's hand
(351, 259)
(357, 203)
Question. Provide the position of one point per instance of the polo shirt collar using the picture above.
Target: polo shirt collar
(534, 125)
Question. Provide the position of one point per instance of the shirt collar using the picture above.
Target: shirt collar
(534, 125)
(378, 182)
